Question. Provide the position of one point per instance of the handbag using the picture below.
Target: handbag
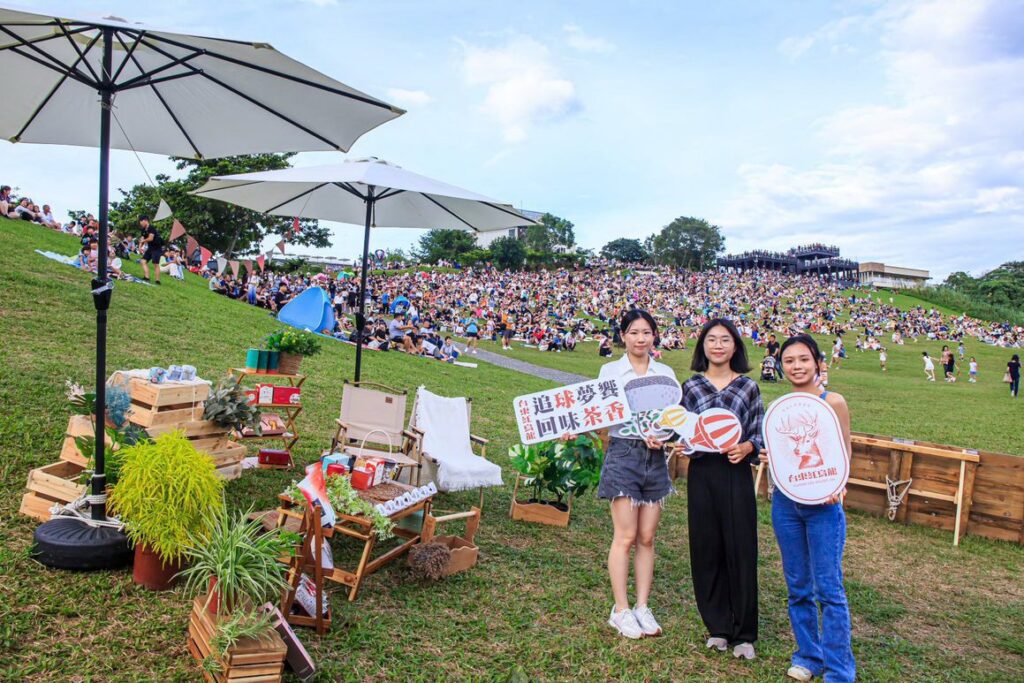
(1006, 377)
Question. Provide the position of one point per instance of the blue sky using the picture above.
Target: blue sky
(890, 128)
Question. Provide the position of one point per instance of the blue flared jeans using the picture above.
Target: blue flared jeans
(811, 540)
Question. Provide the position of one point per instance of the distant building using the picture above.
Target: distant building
(330, 263)
(484, 239)
(811, 259)
(880, 275)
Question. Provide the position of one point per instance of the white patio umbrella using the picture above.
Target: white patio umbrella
(370, 192)
(168, 93)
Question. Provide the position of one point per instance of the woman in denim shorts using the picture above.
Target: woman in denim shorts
(635, 479)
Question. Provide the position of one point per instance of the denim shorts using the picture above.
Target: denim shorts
(634, 471)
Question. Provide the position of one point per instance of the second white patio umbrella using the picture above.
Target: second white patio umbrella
(370, 192)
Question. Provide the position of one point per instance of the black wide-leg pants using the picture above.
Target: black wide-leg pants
(722, 514)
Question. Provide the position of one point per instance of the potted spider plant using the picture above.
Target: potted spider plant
(167, 495)
(237, 563)
(555, 472)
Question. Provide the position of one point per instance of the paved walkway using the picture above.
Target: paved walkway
(525, 368)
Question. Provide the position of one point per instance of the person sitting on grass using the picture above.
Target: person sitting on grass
(7, 204)
(400, 334)
(449, 353)
(48, 219)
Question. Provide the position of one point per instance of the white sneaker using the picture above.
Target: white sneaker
(799, 673)
(648, 624)
(743, 651)
(626, 624)
(720, 644)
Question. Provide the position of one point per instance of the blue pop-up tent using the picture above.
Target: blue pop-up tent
(400, 305)
(310, 310)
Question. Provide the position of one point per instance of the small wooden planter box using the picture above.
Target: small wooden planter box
(250, 660)
(61, 481)
(37, 506)
(158, 405)
(538, 512)
(464, 554)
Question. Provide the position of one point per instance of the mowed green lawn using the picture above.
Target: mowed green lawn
(535, 606)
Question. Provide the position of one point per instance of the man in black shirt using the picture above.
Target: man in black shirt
(773, 350)
(152, 245)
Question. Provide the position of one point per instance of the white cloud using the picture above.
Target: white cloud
(409, 98)
(581, 41)
(932, 176)
(524, 87)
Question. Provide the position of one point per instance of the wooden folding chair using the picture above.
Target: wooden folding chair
(371, 424)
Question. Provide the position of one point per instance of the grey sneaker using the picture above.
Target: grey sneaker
(720, 644)
(648, 624)
(799, 673)
(743, 651)
(626, 624)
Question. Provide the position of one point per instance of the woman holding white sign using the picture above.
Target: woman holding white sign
(808, 442)
(635, 479)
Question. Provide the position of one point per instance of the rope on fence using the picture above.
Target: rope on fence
(895, 495)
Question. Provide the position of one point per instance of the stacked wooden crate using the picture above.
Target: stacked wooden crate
(62, 481)
(164, 408)
(247, 660)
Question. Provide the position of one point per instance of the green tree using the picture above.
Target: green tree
(445, 244)
(624, 249)
(688, 242)
(218, 226)
(508, 253)
(552, 233)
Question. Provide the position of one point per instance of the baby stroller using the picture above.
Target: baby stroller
(768, 372)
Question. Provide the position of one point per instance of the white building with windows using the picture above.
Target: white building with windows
(484, 239)
(874, 274)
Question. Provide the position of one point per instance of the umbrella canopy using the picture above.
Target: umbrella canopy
(368, 191)
(340, 192)
(169, 93)
(175, 94)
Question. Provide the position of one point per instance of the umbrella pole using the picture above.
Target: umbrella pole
(361, 316)
(102, 287)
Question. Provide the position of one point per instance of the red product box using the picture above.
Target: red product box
(252, 395)
(362, 479)
(336, 468)
(287, 395)
(273, 456)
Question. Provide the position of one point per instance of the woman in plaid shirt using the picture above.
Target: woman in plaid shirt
(720, 493)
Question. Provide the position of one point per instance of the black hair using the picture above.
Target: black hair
(143, 218)
(802, 338)
(634, 314)
(1016, 358)
(738, 362)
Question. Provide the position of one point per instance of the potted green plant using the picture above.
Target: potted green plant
(555, 472)
(293, 345)
(237, 563)
(167, 495)
(229, 407)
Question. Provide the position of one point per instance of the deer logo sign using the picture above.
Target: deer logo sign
(803, 434)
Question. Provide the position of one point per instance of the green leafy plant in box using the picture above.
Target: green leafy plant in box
(168, 495)
(557, 469)
(229, 407)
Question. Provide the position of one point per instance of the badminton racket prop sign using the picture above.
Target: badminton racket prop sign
(806, 451)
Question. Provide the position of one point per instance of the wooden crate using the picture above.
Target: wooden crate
(78, 425)
(250, 660)
(37, 506)
(61, 481)
(166, 405)
(539, 513)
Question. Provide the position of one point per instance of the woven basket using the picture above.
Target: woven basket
(289, 363)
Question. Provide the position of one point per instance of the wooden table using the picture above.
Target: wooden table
(360, 528)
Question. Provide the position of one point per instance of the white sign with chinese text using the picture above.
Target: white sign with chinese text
(574, 409)
(806, 450)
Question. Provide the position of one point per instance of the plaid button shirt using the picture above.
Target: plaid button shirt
(742, 398)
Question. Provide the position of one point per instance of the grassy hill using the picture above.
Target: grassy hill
(538, 600)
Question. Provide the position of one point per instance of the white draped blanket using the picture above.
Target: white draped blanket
(445, 424)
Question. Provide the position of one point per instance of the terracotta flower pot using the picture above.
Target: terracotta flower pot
(213, 596)
(289, 363)
(151, 572)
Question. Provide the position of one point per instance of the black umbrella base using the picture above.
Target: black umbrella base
(68, 543)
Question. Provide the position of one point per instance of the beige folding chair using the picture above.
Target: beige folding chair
(371, 424)
(445, 444)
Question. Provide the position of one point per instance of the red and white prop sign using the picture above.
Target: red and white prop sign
(573, 409)
(806, 451)
(714, 431)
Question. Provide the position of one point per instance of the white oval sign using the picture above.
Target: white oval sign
(806, 451)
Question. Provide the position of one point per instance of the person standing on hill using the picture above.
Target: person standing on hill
(152, 245)
(811, 540)
(929, 366)
(1013, 370)
(721, 505)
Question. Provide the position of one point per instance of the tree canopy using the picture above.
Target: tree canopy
(508, 253)
(552, 234)
(624, 249)
(218, 226)
(1002, 286)
(445, 244)
(687, 242)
